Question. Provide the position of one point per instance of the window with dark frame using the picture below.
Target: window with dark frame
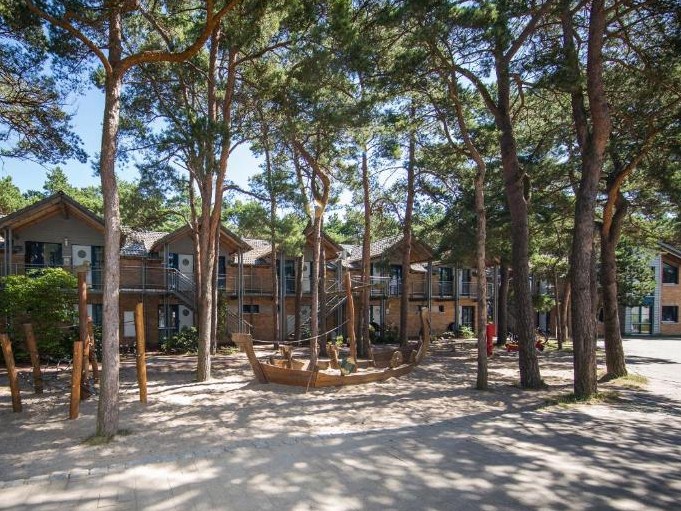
(670, 313)
(670, 274)
(251, 308)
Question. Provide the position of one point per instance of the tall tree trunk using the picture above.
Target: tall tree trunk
(320, 186)
(610, 233)
(205, 300)
(107, 410)
(502, 304)
(298, 302)
(480, 235)
(211, 214)
(314, 286)
(559, 306)
(214, 310)
(480, 238)
(322, 302)
(276, 327)
(516, 184)
(365, 301)
(274, 275)
(564, 331)
(406, 233)
(593, 144)
(614, 213)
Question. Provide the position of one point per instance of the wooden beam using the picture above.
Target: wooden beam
(141, 352)
(76, 373)
(32, 348)
(11, 372)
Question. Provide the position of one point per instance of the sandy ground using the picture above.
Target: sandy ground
(234, 409)
(427, 441)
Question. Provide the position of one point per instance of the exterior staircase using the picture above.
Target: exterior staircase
(335, 299)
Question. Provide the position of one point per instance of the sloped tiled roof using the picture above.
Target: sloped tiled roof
(420, 251)
(376, 248)
(57, 202)
(139, 243)
(670, 249)
(261, 248)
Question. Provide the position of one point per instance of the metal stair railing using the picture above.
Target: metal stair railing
(236, 324)
(182, 287)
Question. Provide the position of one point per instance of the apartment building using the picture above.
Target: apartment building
(659, 312)
(157, 269)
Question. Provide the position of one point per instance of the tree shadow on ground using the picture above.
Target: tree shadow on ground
(427, 441)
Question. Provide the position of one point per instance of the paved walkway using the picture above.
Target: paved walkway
(625, 456)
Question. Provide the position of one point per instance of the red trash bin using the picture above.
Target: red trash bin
(491, 332)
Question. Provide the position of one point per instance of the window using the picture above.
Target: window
(670, 274)
(251, 309)
(468, 316)
(466, 282)
(446, 281)
(441, 308)
(222, 272)
(39, 254)
(168, 317)
(97, 314)
(670, 313)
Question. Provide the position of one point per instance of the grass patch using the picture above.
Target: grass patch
(631, 380)
(97, 440)
(566, 400)
(552, 345)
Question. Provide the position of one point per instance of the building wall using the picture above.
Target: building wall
(128, 303)
(56, 228)
(670, 295)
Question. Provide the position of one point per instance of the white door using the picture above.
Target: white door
(129, 324)
(376, 314)
(83, 254)
(307, 273)
(186, 317)
(185, 263)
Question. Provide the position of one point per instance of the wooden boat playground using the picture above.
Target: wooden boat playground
(339, 369)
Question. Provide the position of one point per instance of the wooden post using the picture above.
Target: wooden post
(425, 341)
(32, 348)
(11, 372)
(245, 343)
(351, 316)
(93, 352)
(141, 347)
(83, 330)
(76, 374)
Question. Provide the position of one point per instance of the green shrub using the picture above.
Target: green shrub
(45, 298)
(186, 341)
(466, 332)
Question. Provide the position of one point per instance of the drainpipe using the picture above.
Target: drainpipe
(240, 292)
(283, 325)
(339, 279)
(5, 266)
(456, 296)
(9, 248)
(495, 302)
(429, 287)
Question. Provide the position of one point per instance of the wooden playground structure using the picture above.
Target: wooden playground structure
(84, 357)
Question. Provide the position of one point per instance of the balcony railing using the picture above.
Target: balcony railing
(161, 279)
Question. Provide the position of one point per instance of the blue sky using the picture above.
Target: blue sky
(87, 123)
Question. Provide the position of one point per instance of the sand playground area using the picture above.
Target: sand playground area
(276, 447)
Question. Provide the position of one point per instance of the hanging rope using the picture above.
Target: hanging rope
(308, 339)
